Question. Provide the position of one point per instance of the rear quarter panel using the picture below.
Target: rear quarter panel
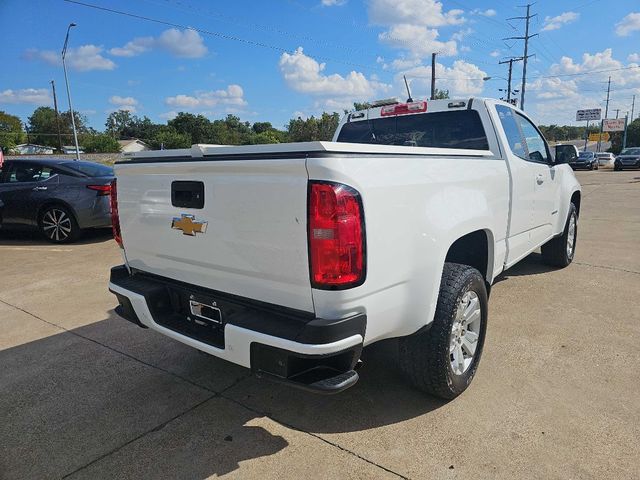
(415, 207)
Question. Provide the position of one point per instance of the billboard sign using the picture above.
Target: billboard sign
(589, 114)
(613, 125)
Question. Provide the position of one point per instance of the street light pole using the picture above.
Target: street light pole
(64, 67)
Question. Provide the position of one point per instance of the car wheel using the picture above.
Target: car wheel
(591, 166)
(58, 225)
(443, 360)
(559, 251)
(597, 166)
(616, 168)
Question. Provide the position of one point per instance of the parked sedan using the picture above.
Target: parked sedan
(606, 159)
(628, 158)
(59, 197)
(586, 160)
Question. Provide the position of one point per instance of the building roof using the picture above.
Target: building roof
(32, 145)
(124, 143)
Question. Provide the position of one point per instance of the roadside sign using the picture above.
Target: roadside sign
(589, 114)
(597, 137)
(613, 125)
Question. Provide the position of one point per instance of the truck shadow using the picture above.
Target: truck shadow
(531, 265)
(112, 400)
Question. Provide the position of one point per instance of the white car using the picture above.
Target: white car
(288, 259)
(605, 159)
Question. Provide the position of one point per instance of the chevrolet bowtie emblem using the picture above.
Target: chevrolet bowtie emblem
(188, 225)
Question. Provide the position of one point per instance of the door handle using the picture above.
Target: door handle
(539, 179)
(36, 189)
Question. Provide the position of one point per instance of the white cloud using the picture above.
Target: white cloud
(305, 75)
(34, 96)
(628, 25)
(84, 58)
(461, 79)
(332, 3)
(180, 43)
(495, 53)
(634, 57)
(490, 12)
(554, 23)
(232, 99)
(124, 103)
(169, 115)
(415, 12)
(410, 25)
(420, 41)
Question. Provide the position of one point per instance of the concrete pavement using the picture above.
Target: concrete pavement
(84, 394)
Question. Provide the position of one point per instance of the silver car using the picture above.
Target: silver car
(605, 159)
(59, 197)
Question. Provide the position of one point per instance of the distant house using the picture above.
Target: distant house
(71, 149)
(31, 149)
(133, 145)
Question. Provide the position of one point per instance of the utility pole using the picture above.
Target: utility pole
(606, 113)
(66, 79)
(510, 62)
(624, 137)
(55, 106)
(433, 76)
(617, 112)
(526, 55)
(633, 106)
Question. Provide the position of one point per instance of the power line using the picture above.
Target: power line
(526, 55)
(211, 33)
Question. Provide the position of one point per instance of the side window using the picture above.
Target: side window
(512, 131)
(28, 172)
(536, 145)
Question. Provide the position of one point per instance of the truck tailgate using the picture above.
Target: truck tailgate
(255, 241)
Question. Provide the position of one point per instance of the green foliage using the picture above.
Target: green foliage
(441, 94)
(167, 137)
(361, 106)
(313, 128)
(99, 143)
(11, 132)
(43, 129)
(633, 133)
(118, 123)
(556, 133)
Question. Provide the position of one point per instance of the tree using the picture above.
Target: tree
(43, 129)
(441, 94)
(167, 137)
(197, 127)
(120, 123)
(633, 133)
(100, 143)
(11, 132)
(260, 127)
(313, 129)
(361, 106)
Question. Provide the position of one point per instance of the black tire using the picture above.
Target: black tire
(425, 356)
(58, 224)
(616, 168)
(597, 166)
(591, 166)
(555, 251)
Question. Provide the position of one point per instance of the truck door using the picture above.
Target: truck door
(522, 178)
(546, 186)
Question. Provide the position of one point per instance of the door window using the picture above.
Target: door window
(524, 139)
(28, 172)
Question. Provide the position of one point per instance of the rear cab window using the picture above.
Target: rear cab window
(440, 129)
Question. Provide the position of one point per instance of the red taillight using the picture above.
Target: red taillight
(115, 218)
(403, 109)
(103, 190)
(336, 236)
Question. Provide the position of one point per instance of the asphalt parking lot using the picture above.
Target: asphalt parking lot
(85, 394)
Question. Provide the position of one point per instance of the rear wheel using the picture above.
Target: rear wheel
(443, 360)
(58, 225)
(559, 251)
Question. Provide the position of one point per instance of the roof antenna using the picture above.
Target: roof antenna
(406, 84)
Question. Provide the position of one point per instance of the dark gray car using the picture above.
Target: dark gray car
(59, 197)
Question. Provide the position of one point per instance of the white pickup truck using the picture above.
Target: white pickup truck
(288, 259)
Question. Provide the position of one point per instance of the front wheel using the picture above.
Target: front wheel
(559, 251)
(58, 225)
(443, 360)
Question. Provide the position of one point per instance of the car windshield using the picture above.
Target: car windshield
(585, 154)
(457, 129)
(90, 169)
(630, 151)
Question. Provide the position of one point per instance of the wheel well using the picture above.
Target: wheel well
(575, 199)
(53, 203)
(472, 250)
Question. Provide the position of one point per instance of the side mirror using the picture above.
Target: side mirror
(566, 153)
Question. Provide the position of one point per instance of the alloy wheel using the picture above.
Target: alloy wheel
(56, 224)
(465, 333)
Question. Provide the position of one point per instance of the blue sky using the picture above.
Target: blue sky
(270, 61)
